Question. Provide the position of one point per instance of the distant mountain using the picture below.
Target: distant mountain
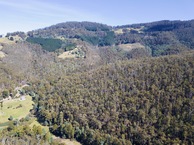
(127, 41)
(160, 38)
(87, 31)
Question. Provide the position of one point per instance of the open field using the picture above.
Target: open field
(66, 54)
(75, 53)
(16, 108)
(121, 31)
(66, 141)
(129, 47)
(19, 109)
(5, 40)
(69, 142)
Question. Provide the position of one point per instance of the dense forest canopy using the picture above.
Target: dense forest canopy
(134, 85)
(141, 102)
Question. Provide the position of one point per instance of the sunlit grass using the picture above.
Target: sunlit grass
(11, 108)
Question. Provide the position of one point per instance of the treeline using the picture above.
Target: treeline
(71, 29)
(148, 101)
(21, 133)
(18, 33)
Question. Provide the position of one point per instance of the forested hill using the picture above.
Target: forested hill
(163, 37)
(93, 33)
(148, 101)
(101, 85)
(160, 38)
(70, 29)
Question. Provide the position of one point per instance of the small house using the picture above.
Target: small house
(22, 98)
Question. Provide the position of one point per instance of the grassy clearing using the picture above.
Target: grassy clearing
(129, 47)
(66, 54)
(75, 53)
(69, 142)
(139, 30)
(5, 40)
(119, 31)
(11, 108)
(2, 54)
(66, 141)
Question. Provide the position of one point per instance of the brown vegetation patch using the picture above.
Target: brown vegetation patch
(129, 47)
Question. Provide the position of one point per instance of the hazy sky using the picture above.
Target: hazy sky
(25, 15)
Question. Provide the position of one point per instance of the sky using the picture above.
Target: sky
(26, 15)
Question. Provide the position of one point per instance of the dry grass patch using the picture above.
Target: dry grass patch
(139, 30)
(119, 31)
(66, 54)
(69, 142)
(5, 40)
(75, 53)
(66, 141)
(2, 54)
(129, 47)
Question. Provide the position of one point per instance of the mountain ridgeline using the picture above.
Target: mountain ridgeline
(102, 85)
(163, 37)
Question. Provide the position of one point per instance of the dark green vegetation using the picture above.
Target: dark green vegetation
(48, 44)
(106, 40)
(135, 85)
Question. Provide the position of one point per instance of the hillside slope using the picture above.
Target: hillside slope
(162, 37)
(99, 84)
(148, 101)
